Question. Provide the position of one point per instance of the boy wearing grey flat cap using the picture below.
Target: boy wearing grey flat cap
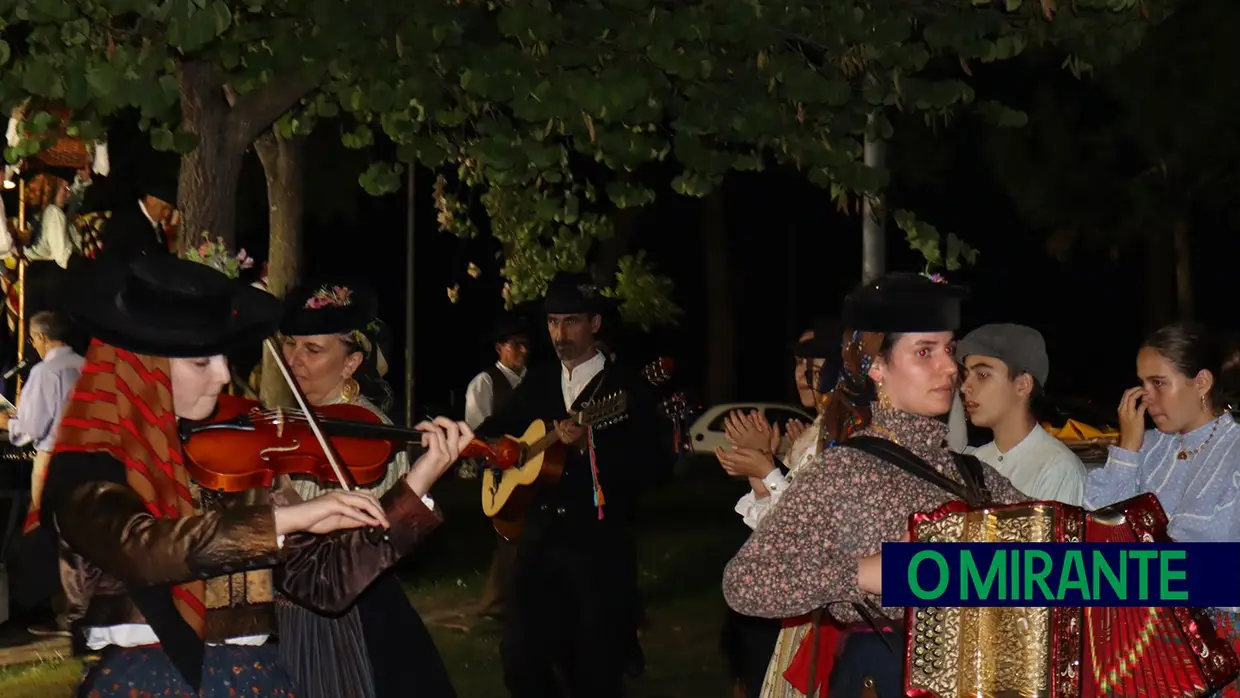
(1005, 367)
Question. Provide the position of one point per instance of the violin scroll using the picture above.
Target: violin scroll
(502, 454)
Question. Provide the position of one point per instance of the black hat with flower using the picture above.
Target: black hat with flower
(331, 307)
(340, 307)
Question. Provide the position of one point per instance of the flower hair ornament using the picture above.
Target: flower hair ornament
(342, 297)
(215, 254)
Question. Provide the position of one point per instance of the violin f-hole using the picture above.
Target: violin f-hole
(279, 449)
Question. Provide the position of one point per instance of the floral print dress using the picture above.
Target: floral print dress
(841, 507)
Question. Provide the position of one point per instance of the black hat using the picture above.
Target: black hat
(570, 293)
(164, 306)
(510, 326)
(162, 188)
(329, 307)
(158, 176)
(824, 344)
(903, 302)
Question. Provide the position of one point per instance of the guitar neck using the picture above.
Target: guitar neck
(548, 440)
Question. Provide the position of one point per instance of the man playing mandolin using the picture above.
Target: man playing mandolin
(574, 588)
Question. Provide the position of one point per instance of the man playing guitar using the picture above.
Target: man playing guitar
(574, 588)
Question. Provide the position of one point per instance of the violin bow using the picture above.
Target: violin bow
(311, 418)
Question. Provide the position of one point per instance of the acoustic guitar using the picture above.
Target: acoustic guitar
(507, 492)
(515, 474)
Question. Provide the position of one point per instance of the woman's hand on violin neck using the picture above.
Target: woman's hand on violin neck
(334, 511)
(443, 440)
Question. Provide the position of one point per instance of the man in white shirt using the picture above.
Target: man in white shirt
(1005, 367)
(487, 392)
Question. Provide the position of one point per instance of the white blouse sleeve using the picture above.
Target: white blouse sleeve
(752, 509)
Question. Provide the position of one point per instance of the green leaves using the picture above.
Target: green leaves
(549, 113)
(381, 178)
(195, 23)
(925, 238)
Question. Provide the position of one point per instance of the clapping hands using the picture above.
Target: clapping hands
(753, 443)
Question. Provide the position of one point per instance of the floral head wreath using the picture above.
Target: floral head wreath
(342, 297)
(215, 254)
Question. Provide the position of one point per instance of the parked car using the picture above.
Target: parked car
(707, 433)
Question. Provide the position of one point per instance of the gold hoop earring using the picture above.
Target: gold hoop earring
(884, 400)
(349, 390)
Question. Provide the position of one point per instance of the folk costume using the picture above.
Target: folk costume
(379, 647)
(754, 645)
(1195, 479)
(488, 392)
(171, 582)
(130, 231)
(847, 501)
(573, 599)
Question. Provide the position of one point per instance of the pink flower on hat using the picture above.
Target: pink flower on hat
(333, 297)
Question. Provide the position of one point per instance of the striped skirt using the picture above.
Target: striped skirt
(790, 639)
(326, 655)
(228, 671)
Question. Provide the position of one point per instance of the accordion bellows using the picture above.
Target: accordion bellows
(998, 652)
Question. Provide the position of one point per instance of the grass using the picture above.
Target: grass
(688, 532)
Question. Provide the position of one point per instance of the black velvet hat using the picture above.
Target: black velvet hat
(329, 307)
(904, 302)
(570, 293)
(161, 179)
(164, 306)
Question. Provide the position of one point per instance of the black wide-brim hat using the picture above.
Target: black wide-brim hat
(510, 326)
(571, 293)
(904, 302)
(160, 178)
(346, 305)
(164, 306)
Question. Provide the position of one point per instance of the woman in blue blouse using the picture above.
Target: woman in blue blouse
(1191, 459)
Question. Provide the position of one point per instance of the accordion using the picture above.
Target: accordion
(1059, 652)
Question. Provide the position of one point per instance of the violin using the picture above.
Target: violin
(245, 445)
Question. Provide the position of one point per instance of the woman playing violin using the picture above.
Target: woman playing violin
(171, 582)
(379, 647)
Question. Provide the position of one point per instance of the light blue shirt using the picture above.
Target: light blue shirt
(1198, 493)
(43, 398)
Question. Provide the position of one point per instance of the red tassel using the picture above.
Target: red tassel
(797, 672)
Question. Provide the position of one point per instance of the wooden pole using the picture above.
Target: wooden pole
(21, 282)
(410, 209)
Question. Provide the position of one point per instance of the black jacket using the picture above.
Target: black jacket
(629, 454)
(129, 233)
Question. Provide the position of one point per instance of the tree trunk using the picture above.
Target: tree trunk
(873, 216)
(207, 192)
(226, 124)
(282, 164)
(1183, 269)
(720, 320)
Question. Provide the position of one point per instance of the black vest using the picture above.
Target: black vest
(501, 389)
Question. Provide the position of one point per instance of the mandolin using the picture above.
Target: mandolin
(507, 492)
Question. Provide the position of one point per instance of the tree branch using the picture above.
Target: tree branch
(254, 112)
